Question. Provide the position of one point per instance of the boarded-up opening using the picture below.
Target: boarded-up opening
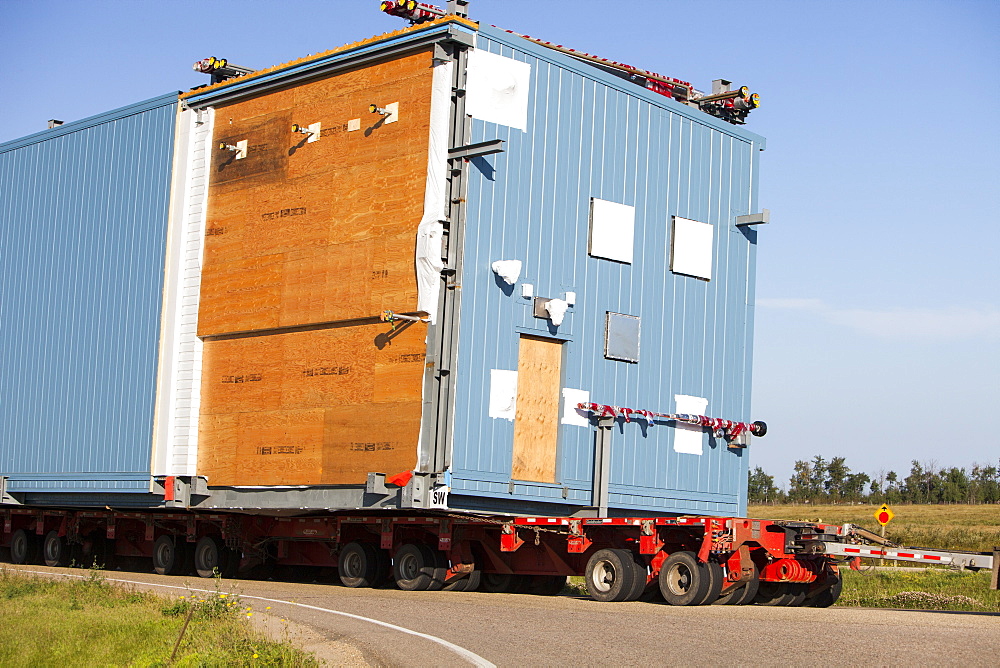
(536, 421)
(314, 407)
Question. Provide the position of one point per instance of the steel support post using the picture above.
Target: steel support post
(602, 464)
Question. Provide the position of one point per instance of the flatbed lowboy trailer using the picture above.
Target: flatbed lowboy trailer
(687, 560)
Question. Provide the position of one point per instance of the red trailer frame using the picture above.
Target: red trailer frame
(687, 560)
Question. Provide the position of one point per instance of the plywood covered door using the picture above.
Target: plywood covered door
(536, 422)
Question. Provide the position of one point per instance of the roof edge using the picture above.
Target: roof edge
(340, 50)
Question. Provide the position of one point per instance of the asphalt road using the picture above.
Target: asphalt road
(523, 630)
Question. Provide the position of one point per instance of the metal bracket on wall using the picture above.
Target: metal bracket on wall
(188, 491)
(755, 218)
(419, 491)
(5, 496)
(477, 150)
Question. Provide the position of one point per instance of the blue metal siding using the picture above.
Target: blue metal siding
(593, 135)
(83, 214)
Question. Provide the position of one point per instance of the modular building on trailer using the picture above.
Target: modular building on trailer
(411, 272)
(300, 318)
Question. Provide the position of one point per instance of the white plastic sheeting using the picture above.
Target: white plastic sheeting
(508, 270)
(497, 88)
(691, 248)
(503, 394)
(556, 309)
(612, 230)
(688, 438)
(430, 231)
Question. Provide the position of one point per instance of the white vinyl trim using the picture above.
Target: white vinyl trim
(179, 383)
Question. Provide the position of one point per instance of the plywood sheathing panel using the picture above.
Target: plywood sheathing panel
(301, 233)
(323, 406)
(536, 421)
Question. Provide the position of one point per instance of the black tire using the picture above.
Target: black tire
(612, 575)
(169, 555)
(742, 595)
(652, 593)
(783, 594)
(211, 556)
(715, 580)
(683, 579)
(469, 583)
(55, 550)
(503, 583)
(828, 596)
(416, 567)
(98, 550)
(24, 547)
(361, 565)
(546, 585)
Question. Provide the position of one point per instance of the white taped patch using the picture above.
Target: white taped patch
(315, 131)
(612, 230)
(571, 414)
(688, 438)
(393, 110)
(691, 248)
(496, 89)
(503, 394)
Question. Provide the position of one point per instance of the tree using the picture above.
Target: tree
(837, 475)
(799, 483)
(762, 488)
(817, 481)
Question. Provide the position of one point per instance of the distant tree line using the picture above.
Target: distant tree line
(822, 481)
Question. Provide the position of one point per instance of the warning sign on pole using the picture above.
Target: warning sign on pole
(884, 515)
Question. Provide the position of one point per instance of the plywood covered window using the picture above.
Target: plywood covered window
(536, 423)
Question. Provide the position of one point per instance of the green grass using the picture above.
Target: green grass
(958, 527)
(931, 589)
(46, 622)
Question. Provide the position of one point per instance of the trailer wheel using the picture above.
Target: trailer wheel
(503, 583)
(546, 585)
(23, 547)
(742, 595)
(470, 582)
(683, 579)
(784, 594)
(715, 579)
(362, 565)
(416, 567)
(828, 596)
(55, 550)
(211, 555)
(612, 575)
(168, 555)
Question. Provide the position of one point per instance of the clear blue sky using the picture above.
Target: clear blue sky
(878, 319)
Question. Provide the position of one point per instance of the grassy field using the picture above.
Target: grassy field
(958, 527)
(47, 622)
(930, 589)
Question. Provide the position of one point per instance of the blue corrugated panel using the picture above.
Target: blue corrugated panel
(591, 134)
(83, 215)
